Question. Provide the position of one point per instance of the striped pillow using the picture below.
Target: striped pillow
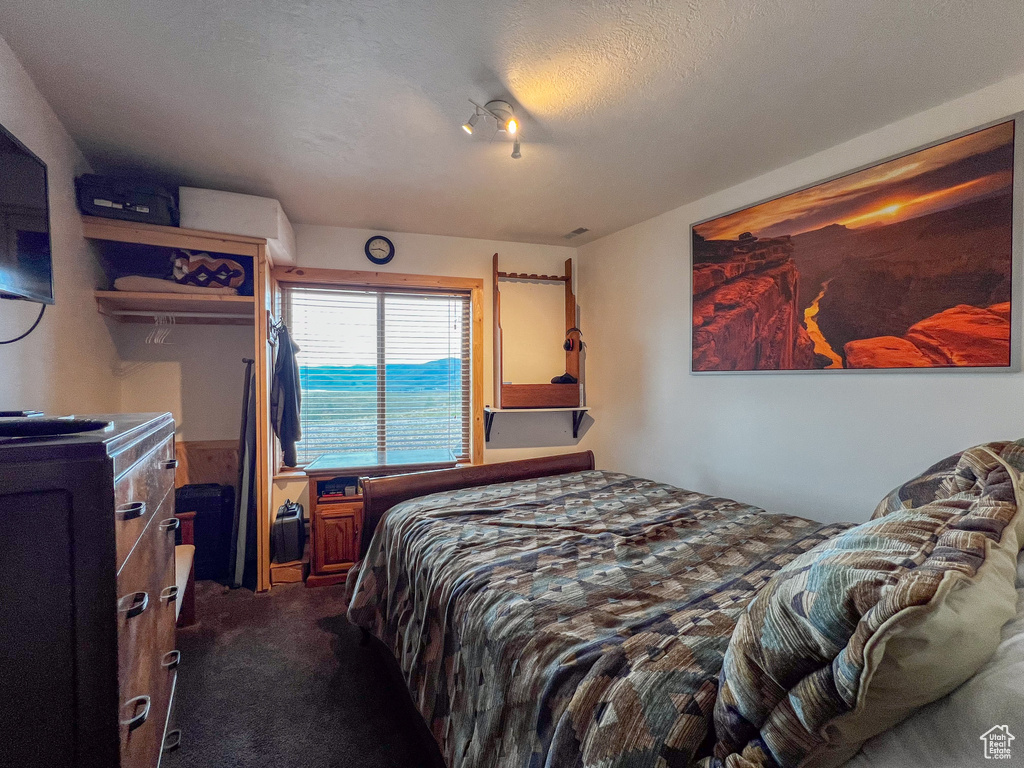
(955, 474)
(854, 635)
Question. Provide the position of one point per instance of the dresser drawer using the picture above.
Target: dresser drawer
(143, 621)
(125, 458)
(141, 746)
(146, 664)
(139, 492)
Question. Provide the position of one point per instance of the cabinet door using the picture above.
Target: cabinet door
(336, 548)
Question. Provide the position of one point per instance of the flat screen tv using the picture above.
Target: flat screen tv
(25, 266)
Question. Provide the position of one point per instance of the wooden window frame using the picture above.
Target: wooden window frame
(351, 278)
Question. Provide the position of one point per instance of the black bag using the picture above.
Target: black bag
(214, 506)
(288, 534)
(128, 200)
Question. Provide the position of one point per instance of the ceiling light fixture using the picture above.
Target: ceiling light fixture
(503, 115)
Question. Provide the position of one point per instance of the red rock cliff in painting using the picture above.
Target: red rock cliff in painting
(746, 299)
(960, 336)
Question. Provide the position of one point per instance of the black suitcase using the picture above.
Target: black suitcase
(214, 506)
(288, 534)
(127, 200)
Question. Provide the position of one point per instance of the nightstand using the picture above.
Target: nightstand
(336, 519)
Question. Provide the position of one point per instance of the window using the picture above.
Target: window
(381, 369)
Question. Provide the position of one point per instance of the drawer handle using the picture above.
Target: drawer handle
(140, 716)
(131, 510)
(134, 604)
(170, 524)
(171, 660)
(170, 464)
(170, 594)
(172, 740)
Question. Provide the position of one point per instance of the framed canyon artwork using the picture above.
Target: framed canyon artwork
(903, 265)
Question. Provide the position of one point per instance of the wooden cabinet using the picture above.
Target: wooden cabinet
(336, 531)
(87, 618)
(336, 522)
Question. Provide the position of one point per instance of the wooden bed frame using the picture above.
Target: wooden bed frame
(382, 493)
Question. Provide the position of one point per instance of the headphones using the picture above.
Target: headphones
(568, 345)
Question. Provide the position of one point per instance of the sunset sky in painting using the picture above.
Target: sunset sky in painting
(944, 176)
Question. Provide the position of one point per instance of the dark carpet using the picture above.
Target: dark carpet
(281, 679)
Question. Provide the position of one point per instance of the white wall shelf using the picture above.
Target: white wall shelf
(577, 416)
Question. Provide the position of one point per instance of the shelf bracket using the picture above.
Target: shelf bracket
(577, 419)
(576, 413)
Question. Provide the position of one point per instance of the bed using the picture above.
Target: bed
(544, 613)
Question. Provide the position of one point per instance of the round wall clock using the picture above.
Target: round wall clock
(379, 249)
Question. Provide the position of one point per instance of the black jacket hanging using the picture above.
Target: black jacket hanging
(286, 397)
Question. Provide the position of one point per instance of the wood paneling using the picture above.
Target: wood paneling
(206, 461)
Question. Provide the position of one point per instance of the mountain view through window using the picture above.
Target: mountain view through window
(381, 370)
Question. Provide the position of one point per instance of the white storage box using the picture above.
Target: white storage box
(216, 211)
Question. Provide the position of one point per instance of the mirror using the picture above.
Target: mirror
(532, 325)
(532, 314)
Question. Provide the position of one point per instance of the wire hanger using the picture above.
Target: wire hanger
(273, 328)
(162, 325)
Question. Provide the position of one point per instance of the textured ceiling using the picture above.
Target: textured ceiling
(349, 112)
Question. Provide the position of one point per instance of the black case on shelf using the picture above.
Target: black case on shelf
(114, 198)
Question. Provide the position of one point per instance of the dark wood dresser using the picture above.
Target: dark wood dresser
(87, 656)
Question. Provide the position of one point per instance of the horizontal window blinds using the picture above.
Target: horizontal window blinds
(381, 370)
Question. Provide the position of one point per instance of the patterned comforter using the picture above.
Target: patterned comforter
(577, 620)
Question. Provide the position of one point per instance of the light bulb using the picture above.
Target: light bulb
(516, 154)
(511, 125)
(468, 125)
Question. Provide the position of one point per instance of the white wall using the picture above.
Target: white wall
(825, 446)
(65, 365)
(513, 436)
(198, 375)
